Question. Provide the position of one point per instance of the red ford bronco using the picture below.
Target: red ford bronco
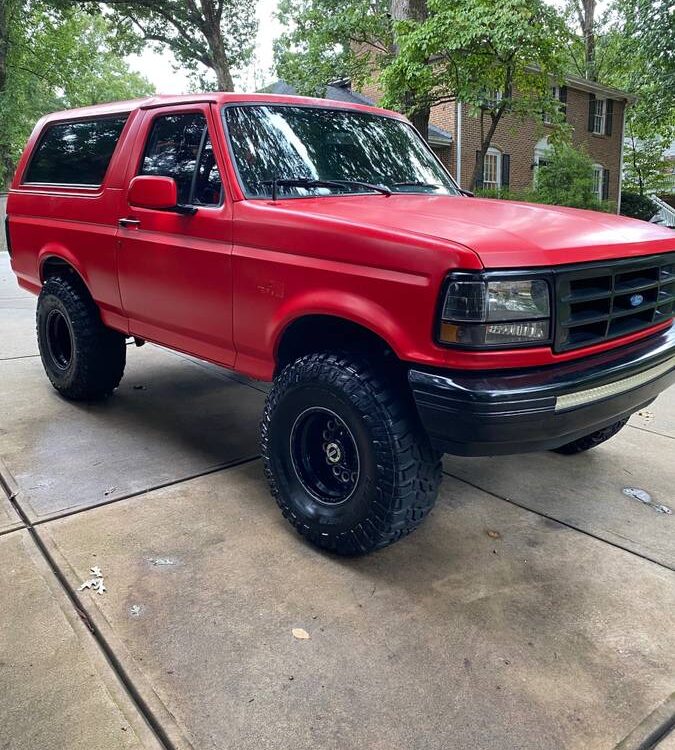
(323, 246)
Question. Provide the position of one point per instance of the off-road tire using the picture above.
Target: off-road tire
(98, 354)
(401, 472)
(590, 441)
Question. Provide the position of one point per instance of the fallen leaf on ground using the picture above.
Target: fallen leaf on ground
(494, 534)
(95, 584)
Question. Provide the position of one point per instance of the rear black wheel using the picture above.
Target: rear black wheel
(590, 441)
(345, 455)
(83, 358)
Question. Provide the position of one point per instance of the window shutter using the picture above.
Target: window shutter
(591, 112)
(609, 109)
(479, 160)
(605, 184)
(563, 100)
(506, 171)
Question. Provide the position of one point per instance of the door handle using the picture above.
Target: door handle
(129, 222)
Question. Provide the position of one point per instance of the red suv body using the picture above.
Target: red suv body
(256, 231)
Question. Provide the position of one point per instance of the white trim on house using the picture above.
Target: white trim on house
(492, 169)
(599, 115)
(623, 136)
(590, 87)
(598, 180)
(458, 176)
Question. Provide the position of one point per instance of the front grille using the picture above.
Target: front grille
(599, 302)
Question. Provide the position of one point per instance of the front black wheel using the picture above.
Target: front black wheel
(83, 358)
(345, 455)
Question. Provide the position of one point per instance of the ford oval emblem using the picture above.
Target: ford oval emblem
(636, 300)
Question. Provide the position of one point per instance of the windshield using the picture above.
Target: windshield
(287, 143)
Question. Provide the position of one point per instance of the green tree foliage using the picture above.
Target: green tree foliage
(54, 59)
(645, 165)
(216, 35)
(631, 44)
(637, 206)
(330, 40)
(497, 55)
(633, 48)
(566, 179)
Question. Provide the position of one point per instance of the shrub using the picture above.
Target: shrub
(637, 206)
(567, 179)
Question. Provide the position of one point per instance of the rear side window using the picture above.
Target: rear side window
(179, 146)
(75, 153)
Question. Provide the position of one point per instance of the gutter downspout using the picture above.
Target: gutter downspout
(623, 137)
(458, 140)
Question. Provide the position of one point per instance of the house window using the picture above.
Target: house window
(555, 94)
(493, 99)
(598, 181)
(599, 116)
(492, 169)
(542, 153)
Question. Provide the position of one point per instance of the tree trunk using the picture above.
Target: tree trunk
(220, 64)
(637, 169)
(6, 162)
(214, 39)
(486, 139)
(495, 118)
(586, 14)
(5, 13)
(414, 10)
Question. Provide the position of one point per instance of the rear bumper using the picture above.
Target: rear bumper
(517, 411)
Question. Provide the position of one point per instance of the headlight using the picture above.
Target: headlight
(479, 311)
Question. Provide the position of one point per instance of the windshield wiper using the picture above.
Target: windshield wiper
(308, 182)
(417, 183)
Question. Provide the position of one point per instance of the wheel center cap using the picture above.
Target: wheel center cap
(333, 453)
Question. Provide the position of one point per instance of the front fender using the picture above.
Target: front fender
(354, 308)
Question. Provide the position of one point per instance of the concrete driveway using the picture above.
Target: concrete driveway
(535, 609)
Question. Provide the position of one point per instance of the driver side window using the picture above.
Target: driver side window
(179, 146)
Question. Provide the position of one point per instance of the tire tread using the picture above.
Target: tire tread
(591, 441)
(409, 468)
(100, 351)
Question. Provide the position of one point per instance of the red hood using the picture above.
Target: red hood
(503, 233)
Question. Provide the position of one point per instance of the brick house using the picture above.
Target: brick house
(595, 112)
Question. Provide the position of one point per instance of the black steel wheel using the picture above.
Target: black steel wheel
(59, 337)
(325, 455)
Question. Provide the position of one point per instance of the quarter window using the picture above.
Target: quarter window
(75, 153)
(179, 146)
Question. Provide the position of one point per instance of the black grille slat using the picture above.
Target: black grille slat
(597, 302)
